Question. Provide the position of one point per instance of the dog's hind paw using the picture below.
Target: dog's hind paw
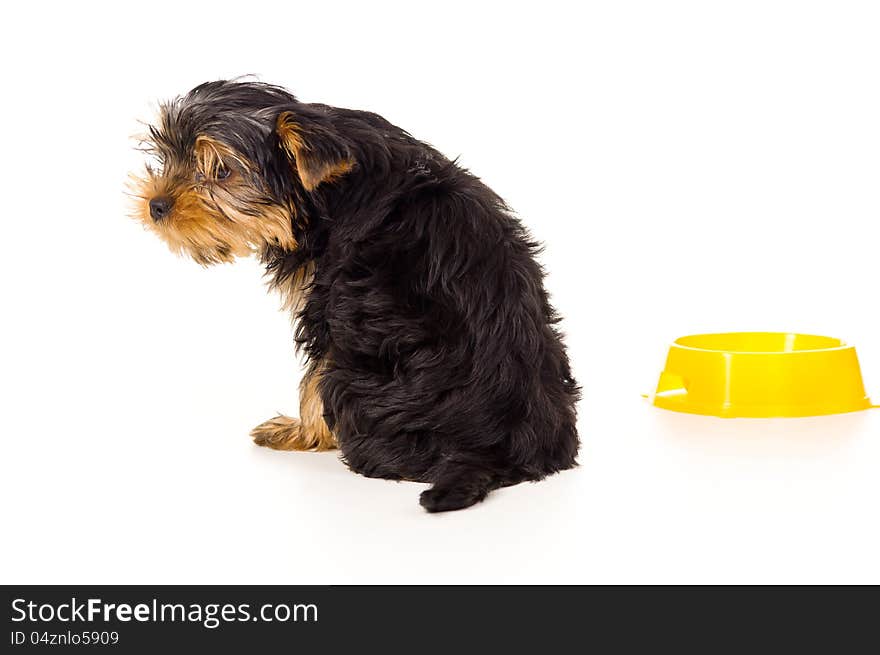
(286, 433)
(447, 499)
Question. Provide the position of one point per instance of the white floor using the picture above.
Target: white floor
(127, 496)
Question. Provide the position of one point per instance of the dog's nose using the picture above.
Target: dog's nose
(160, 207)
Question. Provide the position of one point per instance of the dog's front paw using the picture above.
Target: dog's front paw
(280, 433)
(286, 433)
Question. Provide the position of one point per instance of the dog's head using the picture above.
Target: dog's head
(234, 164)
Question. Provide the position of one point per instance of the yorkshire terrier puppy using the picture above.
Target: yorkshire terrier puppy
(430, 341)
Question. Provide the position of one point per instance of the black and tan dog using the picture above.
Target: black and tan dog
(431, 348)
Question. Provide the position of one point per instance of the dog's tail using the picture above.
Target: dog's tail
(459, 483)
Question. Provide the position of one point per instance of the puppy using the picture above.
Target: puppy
(430, 341)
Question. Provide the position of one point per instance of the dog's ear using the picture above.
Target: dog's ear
(315, 148)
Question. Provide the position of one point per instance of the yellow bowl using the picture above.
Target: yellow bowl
(761, 375)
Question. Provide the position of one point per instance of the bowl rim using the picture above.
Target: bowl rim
(843, 345)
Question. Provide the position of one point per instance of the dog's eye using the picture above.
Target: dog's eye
(222, 173)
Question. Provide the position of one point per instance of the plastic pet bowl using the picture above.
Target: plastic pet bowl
(761, 375)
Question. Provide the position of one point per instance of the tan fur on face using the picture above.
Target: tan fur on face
(309, 431)
(212, 155)
(213, 220)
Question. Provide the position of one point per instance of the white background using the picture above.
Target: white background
(690, 166)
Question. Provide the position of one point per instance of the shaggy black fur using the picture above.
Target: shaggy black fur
(427, 308)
